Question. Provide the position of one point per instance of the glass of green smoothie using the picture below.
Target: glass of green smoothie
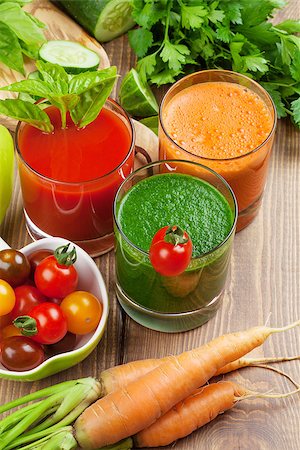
(199, 201)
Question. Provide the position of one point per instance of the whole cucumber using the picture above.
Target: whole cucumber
(104, 19)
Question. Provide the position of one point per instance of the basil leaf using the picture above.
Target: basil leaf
(35, 20)
(26, 112)
(10, 49)
(64, 103)
(88, 80)
(32, 50)
(32, 87)
(55, 75)
(91, 103)
(20, 2)
(19, 22)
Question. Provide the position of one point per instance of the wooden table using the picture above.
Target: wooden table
(263, 285)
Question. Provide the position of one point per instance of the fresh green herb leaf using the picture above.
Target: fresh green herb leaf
(150, 13)
(26, 112)
(31, 87)
(91, 103)
(82, 95)
(152, 123)
(84, 81)
(277, 99)
(231, 34)
(174, 55)
(146, 66)
(295, 107)
(21, 24)
(290, 26)
(140, 40)
(192, 16)
(54, 75)
(256, 63)
(10, 49)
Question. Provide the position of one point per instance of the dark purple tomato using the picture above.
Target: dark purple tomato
(14, 267)
(20, 353)
(66, 344)
(35, 258)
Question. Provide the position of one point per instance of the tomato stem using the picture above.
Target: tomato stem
(175, 235)
(27, 325)
(64, 256)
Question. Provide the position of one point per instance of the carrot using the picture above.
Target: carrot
(190, 414)
(129, 410)
(248, 362)
(195, 411)
(119, 376)
(58, 406)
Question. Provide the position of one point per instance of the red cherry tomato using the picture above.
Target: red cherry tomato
(170, 251)
(20, 353)
(14, 267)
(55, 276)
(45, 324)
(83, 312)
(27, 297)
(35, 258)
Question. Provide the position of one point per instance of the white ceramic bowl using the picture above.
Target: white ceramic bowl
(90, 279)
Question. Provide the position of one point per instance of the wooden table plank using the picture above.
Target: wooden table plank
(263, 284)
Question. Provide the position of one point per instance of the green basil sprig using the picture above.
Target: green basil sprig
(82, 95)
(20, 33)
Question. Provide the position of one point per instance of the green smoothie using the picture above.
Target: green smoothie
(197, 207)
(175, 199)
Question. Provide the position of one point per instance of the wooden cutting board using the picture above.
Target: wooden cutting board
(59, 26)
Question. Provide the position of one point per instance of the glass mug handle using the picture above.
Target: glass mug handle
(144, 153)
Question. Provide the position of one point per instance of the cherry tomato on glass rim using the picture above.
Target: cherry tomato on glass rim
(27, 297)
(7, 298)
(45, 323)
(14, 267)
(20, 353)
(83, 312)
(170, 251)
(56, 276)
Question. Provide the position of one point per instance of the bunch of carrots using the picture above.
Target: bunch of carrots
(141, 404)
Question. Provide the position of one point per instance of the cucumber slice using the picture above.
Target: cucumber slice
(73, 57)
(104, 19)
(136, 96)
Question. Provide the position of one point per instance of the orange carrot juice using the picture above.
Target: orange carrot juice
(225, 121)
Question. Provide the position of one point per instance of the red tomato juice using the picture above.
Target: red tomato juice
(70, 177)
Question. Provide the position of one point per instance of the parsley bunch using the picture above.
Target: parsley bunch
(181, 36)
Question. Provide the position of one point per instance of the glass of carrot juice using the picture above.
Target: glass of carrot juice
(227, 122)
(69, 177)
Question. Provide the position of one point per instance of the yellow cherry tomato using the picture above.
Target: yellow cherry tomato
(7, 298)
(10, 330)
(83, 312)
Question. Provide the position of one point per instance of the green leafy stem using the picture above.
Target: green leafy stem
(83, 96)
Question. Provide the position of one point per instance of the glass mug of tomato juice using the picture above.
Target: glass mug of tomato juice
(69, 177)
(227, 122)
